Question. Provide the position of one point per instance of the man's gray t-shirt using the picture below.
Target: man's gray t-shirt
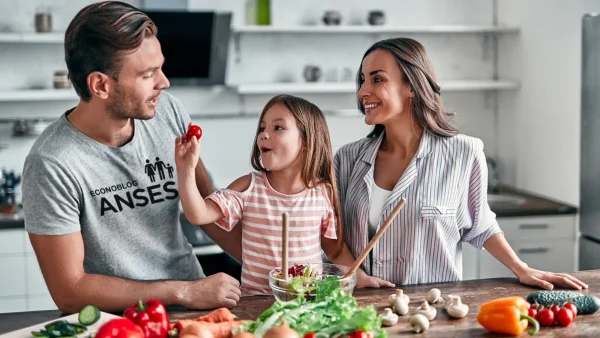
(124, 200)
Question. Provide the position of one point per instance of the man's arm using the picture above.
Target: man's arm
(61, 261)
(228, 241)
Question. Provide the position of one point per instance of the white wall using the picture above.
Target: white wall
(269, 58)
(539, 125)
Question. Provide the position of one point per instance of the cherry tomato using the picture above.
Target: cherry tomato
(310, 335)
(555, 309)
(531, 312)
(546, 317)
(194, 130)
(359, 334)
(564, 317)
(571, 307)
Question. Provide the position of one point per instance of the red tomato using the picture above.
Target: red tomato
(194, 130)
(531, 312)
(564, 317)
(359, 334)
(546, 317)
(555, 309)
(310, 335)
(571, 307)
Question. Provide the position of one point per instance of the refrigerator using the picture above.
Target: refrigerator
(589, 221)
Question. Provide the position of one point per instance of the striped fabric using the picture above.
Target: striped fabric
(445, 186)
(259, 210)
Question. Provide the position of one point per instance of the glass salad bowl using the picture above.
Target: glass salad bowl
(314, 281)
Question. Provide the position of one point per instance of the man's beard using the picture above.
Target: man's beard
(123, 106)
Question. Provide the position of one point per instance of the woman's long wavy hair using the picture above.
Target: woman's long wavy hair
(417, 71)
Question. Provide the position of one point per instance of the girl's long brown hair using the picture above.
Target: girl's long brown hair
(417, 71)
(317, 156)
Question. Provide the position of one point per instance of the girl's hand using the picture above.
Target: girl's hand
(187, 153)
(365, 281)
(547, 280)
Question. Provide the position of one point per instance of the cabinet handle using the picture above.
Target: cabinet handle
(533, 250)
(533, 226)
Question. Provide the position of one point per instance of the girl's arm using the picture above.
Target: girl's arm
(197, 210)
(187, 156)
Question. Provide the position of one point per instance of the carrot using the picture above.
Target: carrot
(217, 316)
(219, 330)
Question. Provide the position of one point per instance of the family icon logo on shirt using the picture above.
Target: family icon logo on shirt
(158, 167)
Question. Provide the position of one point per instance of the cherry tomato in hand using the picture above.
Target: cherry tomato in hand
(546, 317)
(310, 335)
(194, 130)
(359, 334)
(571, 307)
(564, 317)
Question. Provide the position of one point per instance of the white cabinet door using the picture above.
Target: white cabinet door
(470, 260)
(13, 304)
(554, 256)
(40, 303)
(35, 280)
(13, 282)
(538, 227)
(12, 241)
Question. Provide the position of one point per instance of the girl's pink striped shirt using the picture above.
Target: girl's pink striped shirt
(258, 210)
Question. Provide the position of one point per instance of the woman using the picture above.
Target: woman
(413, 152)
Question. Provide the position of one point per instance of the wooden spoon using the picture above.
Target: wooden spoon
(375, 238)
(284, 246)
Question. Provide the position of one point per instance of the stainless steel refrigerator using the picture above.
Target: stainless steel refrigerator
(589, 243)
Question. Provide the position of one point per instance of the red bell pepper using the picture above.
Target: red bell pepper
(119, 328)
(151, 317)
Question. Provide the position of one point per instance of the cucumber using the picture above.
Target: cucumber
(89, 315)
(585, 304)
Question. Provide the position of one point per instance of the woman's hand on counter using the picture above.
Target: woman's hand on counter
(365, 281)
(547, 280)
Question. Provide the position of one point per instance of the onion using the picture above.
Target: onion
(281, 331)
(196, 329)
(244, 335)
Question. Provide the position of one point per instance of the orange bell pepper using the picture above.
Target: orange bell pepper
(507, 315)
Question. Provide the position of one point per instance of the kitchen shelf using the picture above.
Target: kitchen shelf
(22, 95)
(349, 88)
(32, 37)
(439, 29)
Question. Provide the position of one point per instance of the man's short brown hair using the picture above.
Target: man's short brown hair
(99, 36)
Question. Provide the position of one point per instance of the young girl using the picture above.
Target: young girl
(292, 154)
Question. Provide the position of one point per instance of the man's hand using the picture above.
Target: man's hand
(219, 290)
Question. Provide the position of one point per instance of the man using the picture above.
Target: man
(102, 217)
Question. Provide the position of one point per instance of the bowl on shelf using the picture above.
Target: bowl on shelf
(304, 285)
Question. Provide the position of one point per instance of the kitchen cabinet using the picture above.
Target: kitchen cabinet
(543, 242)
(24, 288)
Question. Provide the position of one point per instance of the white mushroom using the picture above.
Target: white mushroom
(419, 323)
(401, 306)
(427, 311)
(389, 318)
(434, 296)
(399, 293)
(456, 308)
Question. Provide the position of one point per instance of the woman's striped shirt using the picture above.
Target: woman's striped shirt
(445, 186)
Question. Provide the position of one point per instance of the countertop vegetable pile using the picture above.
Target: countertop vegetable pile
(336, 315)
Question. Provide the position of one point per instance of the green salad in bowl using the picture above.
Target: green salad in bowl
(313, 281)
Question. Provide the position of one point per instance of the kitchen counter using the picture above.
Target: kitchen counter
(508, 202)
(473, 293)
